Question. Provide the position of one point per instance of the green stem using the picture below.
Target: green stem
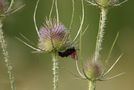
(102, 24)
(55, 71)
(92, 85)
(6, 58)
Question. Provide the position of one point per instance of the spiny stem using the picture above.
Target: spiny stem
(55, 71)
(6, 58)
(92, 85)
(102, 24)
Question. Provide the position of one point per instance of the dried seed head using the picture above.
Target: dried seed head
(113, 2)
(105, 3)
(7, 7)
(53, 37)
(109, 3)
(93, 70)
(3, 6)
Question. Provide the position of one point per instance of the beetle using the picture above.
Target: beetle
(69, 52)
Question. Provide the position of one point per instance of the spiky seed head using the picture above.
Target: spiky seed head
(53, 37)
(8, 7)
(92, 70)
(113, 2)
(106, 3)
(3, 6)
(103, 3)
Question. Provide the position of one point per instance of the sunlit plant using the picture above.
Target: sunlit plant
(54, 38)
(94, 70)
(6, 9)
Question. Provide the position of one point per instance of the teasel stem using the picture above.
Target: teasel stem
(92, 85)
(102, 25)
(6, 58)
(55, 71)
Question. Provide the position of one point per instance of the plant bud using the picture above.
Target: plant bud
(92, 71)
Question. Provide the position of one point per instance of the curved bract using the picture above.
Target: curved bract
(8, 8)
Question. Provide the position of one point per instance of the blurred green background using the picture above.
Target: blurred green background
(34, 71)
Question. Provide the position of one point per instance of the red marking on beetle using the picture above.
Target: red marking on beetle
(69, 52)
(74, 55)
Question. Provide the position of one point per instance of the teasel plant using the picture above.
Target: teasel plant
(94, 70)
(54, 38)
(6, 9)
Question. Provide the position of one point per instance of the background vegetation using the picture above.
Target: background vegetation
(33, 71)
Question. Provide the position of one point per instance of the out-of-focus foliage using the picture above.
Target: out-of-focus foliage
(33, 71)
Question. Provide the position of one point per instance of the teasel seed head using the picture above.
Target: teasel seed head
(53, 37)
(7, 8)
(92, 71)
(107, 3)
(3, 7)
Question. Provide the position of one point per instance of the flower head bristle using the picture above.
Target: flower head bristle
(53, 36)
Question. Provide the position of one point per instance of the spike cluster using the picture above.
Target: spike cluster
(53, 37)
(105, 3)
(2, 6)
(93, 71)
(8, 8)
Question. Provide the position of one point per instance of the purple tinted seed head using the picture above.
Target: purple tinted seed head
(44, 32)
(93, 70)
(114, 2)
(52, 36)
(2, 6)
